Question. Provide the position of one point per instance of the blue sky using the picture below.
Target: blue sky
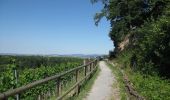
(52, 27)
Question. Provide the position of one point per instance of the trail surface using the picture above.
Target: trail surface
(102, 88)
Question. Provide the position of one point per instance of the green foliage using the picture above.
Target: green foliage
(7, 80)
(151, 87)
(27, 75)
(86, 87)
(146, 24)
(34, 61)
(119, 77)
(125, 15)
(153, 46)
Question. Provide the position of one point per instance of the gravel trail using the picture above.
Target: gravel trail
(102, 88)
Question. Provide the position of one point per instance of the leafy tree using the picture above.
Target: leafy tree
(146, 24)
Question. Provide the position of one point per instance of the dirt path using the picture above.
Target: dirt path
(103, 86)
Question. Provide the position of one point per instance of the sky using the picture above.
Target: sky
(52, 27)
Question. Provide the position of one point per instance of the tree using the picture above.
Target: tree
(147, 24)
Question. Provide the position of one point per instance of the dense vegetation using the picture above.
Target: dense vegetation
(140, 30)
(16, 71)
(23, 62)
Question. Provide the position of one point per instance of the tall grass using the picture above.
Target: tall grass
(152, 87)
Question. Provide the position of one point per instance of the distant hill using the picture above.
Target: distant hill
(55, 55)
(77, 55)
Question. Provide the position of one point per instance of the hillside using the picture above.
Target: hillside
(140, 33)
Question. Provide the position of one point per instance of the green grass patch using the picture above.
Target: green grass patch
(151, 87)
(119, 77)
(86, 87)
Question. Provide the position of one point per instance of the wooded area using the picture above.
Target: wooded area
(140, 31)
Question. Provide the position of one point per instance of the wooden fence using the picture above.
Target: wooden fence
(88, 68)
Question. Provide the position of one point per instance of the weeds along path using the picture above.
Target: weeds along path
(102, 88)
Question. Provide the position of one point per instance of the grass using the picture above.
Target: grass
(119, 77)
(86, 87)
(151, 87)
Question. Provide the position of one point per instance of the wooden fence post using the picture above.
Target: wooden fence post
(77, 79)
(84, 62)
(95, 63)
(77, 75)
(16, 82)
(58, 87)
(91, 67)
(85, 69)
(85, 72)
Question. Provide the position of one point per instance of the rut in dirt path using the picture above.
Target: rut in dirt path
(102, 88)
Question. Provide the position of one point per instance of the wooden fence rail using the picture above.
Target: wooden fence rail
(89, 69)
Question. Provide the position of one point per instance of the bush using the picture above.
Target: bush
(151, 87)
